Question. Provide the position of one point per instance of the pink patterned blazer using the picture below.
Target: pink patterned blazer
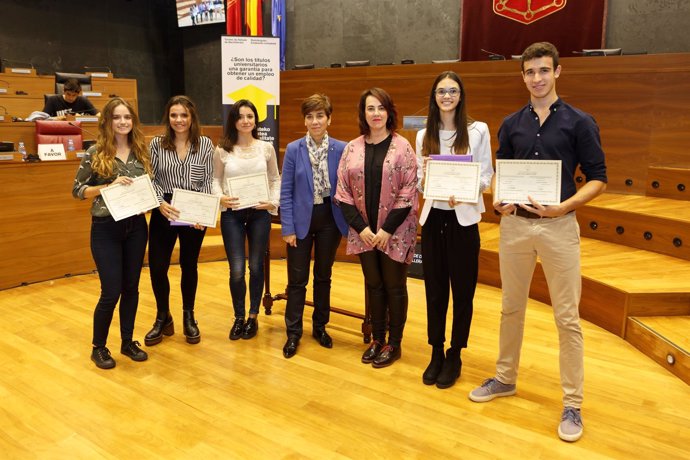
(398, 190)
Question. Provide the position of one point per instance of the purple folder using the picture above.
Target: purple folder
(467, 158)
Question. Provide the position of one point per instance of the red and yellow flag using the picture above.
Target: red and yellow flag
(254, 17)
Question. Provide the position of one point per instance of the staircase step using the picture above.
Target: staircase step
(665, 340)
(618, 281)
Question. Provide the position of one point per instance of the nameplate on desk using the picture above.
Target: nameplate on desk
(100, 75)
(2, 117)
(92, 93)
(3, 90)
(24, 71)
(92, 119)
(51, 152)
(414, 122)
(6, 156)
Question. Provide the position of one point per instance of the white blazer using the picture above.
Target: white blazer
(480, 148)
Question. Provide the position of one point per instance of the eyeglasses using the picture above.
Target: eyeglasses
(452, 92)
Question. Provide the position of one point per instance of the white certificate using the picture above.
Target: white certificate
(196, 207)
(250, 189)
(452, 178)
(518, 179)
(129, 200)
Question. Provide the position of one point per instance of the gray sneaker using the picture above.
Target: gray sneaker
(570, 428)
(490, 389)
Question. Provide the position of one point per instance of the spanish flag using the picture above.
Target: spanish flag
(253, 17)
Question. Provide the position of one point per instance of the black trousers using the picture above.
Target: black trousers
(325, 237)
(118, 250)
(386, 284)
(162, 238)
(450, 258)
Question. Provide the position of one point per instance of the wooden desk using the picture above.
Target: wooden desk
(44, 232)
(25, 93)
(26, 131)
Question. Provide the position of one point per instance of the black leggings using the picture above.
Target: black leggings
(162, 238)
(386, 284)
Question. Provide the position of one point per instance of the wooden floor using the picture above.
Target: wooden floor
(242, 399)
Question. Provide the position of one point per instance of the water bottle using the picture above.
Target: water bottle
(70, 145)
(22, 150)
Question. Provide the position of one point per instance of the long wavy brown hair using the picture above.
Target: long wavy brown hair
(103, 161)
(430, 144)
(168, 139)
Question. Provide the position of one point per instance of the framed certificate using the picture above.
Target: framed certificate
(129, 200)
(452, 178)
(249, 189)
(196, 207)
(518, 179)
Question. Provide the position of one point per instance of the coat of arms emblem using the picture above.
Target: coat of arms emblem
(527, 11)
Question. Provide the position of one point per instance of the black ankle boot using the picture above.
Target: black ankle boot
(451, 369)
(434, 368)
(162, 326)
(191, 331)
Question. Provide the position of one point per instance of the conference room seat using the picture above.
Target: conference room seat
(61, 77)
(59, 132)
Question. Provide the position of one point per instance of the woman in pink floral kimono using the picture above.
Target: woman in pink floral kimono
(377, 180)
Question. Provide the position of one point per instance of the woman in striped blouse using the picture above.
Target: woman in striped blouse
(181, 158)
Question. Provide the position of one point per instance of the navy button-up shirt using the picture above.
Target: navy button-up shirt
(567, 134)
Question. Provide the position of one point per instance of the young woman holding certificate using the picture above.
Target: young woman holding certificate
(119, 155)
(377, 191)
(182, 158)
(450, 234)
(240, 159)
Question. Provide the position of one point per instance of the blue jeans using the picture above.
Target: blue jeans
(118, 250)
(255, 224)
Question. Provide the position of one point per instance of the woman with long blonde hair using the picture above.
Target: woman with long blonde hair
(118, 247)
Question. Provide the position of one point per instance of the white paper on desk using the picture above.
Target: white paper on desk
(518, 179)
(129, 200)
(251, 189)
(196, 207)
(444, 179)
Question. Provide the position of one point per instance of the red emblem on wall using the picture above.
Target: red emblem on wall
(527, 11)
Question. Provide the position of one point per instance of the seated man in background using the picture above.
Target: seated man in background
(69, 102)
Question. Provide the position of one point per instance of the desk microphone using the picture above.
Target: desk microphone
(84, 130)
(493, 56)
(100, 68)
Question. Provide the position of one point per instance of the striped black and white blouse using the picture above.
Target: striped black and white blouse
(195, 173)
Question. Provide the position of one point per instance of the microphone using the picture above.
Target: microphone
(9, 61)
(94, 70)
(84, 130)
(493, 56)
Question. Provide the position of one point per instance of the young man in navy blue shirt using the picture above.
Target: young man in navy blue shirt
(545, 129)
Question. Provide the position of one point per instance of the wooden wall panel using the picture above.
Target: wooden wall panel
(639, 102)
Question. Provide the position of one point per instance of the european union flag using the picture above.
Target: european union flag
(278, 27)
